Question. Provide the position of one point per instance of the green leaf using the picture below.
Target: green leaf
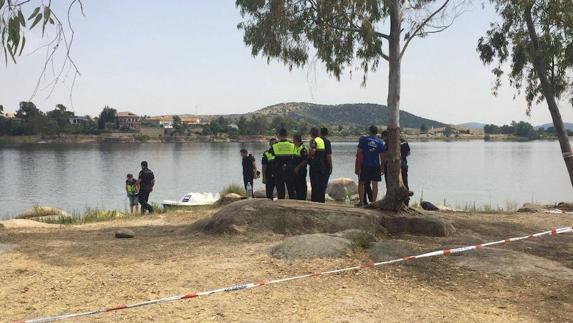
(34, 13)
(21, 18)
(22, 46)
(47, 13)
(36, 21)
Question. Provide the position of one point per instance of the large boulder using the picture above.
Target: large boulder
(340, 188)
(308, 246)
(531, 208)
(302, 217)
(421, 225)
(43, 213)
(288, 217)
(229, 198)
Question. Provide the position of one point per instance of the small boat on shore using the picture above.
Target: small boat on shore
(190, 200)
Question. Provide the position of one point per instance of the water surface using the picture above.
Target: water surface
(77, 176)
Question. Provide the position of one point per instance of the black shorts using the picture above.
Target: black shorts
(370, 174)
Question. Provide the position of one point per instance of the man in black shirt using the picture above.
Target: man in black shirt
(146, 182)
(327, 155)
(404, 153)
(300, 161)
(249, 171)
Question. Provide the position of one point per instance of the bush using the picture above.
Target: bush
(89, 216)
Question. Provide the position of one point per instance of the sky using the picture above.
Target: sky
(178, 56)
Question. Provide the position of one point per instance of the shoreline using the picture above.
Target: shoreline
(136, 138)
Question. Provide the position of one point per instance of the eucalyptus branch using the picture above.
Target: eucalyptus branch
(421, 26)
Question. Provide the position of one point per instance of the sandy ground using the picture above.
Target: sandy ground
(53, 270)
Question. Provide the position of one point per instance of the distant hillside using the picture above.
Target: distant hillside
(472, 125)
(568, 126)
(359, 114)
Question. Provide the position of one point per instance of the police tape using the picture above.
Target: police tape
(444, 252)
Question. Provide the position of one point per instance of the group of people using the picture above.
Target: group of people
(138, 190)
(286, 164)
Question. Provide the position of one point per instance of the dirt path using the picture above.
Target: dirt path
(55, 270)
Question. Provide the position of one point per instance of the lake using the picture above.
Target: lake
(78, 176)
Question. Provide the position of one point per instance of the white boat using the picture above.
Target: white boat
(192, 199)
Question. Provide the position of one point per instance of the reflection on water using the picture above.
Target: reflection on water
(77, 176)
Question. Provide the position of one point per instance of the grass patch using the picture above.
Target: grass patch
(233, 188)
(157, 208)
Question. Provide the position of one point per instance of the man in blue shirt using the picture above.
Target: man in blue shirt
(371, 150)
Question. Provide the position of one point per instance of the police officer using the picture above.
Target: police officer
(283, 150)
(318, 167)
(300, 161)
(268, 172)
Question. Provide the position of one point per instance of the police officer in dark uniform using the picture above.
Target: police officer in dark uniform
(300, 161)
(283, 150)
(318, 167)
(146, 182)
(268, 172)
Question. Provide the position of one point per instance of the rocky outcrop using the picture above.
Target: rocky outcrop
(318, 245)
(229, 198)
(301, 217)
(340, 188)
(43, 213)
(531, 208)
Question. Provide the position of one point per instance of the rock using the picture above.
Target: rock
(564, 206)
(391, 249)
(312, 246)
(358, 238)
(429, 206)
(124, 234)
(230, 198)
(261, 193)
(421, 225)
(302, 217)
(288, 217)
(42, 213)
(340, 188)
(513, 263)
(531, 208)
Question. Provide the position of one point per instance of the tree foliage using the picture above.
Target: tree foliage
(107, 118)
(341, 32)
(508, 43)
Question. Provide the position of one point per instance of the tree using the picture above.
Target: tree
(19, 17)
(423, 128)
(343, 33)
(178, 125)
(243, 125)
(107, 118)
(61, 116)
(491, 129)
(536, 38)
(449, 131)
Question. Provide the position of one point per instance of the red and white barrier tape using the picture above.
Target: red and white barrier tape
(445, 252)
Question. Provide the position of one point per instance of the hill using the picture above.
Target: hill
(355, 114)
(568, 126)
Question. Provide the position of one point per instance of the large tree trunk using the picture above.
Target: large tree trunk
(549, 94)
(396, 192)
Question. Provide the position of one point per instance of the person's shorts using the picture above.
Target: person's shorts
(133, 201)
(370, 174)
